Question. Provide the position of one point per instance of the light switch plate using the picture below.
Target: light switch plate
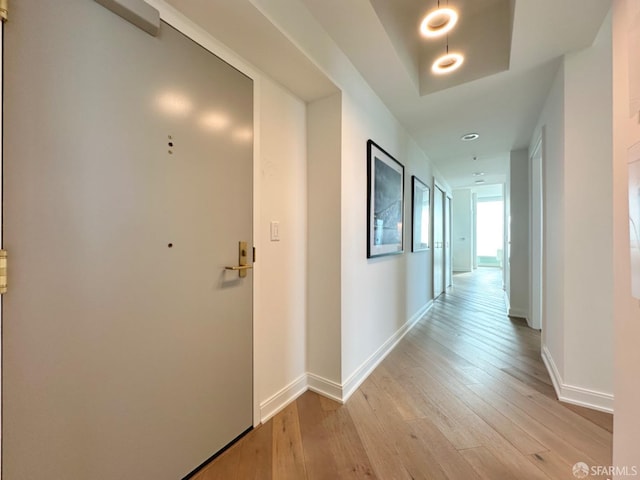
(275, 231)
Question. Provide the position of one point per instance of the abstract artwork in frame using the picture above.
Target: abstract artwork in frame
(420, 209)
(385, 202)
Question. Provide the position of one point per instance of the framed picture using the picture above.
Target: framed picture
(420, 209)
(385, 202)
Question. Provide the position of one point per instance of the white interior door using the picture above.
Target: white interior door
(536, 219)
(447, 242)
(438, 241)
(128, 185)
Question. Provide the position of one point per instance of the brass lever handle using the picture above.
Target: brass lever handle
(239, 267)
(242, 266)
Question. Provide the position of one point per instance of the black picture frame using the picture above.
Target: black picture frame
(420, 215)
(385, 203)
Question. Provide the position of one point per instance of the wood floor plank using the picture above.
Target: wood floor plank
(465, 395)
(447, 401)
(487, 465)
(452, 426)
(288, 457)
(224, 467)
(553, 440)
(448, 457)
(515, 435)
(256, 454)
(329, 405)
(352, 461)
(318, 456)
(552, 412)
(416, 457)
(602, 419)
(553, 465)
(504, 451)
(584, 443)
(404, 404)
(384, 456)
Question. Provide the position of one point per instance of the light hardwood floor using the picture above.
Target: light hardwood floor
(464, 396)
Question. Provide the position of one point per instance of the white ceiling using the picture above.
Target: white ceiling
(244, 29)
(502, 107)
(483, 34)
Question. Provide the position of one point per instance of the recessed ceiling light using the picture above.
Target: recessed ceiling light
(479, 181)
(447, 63)
(478, 174)
(469, 137)
(438, 22)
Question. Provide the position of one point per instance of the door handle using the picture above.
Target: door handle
(239, 268)
(242, 266)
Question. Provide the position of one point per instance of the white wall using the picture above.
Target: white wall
(588, 206)
(462, 230)
(420, 262)
(379, 296)
(280, 322)
(552, 118)
(519, 234)
(626, 310)
(577, 328)
(324, 356)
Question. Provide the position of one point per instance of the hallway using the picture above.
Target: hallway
(465, 395)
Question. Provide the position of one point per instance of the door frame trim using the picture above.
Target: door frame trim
(536, 289)
(196, 33)
(1, 208)
(448, 251)
(441, 187)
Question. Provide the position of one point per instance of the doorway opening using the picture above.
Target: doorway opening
(490, 232)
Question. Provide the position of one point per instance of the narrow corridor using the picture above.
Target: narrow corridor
(464, 396)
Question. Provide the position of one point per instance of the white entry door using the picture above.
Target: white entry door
(438, 241)
(128, 187)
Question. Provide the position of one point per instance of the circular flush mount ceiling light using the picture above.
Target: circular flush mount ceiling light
(478, 174)
(469, 137)
(447, 63)
(438, 22)
(479, 182)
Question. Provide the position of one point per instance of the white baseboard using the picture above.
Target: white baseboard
(582, 397)
(324, 387)
(333, 390)
(369, 365)
(517, 313)
(284, 397)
